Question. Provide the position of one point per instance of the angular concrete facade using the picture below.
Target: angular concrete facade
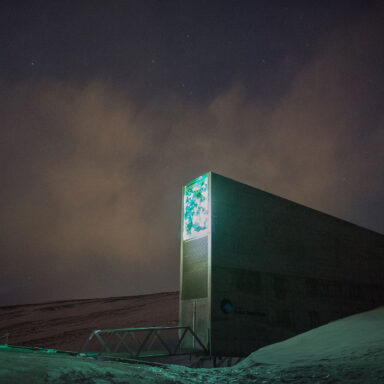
(262, 268)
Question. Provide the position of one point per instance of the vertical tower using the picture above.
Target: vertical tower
(196, 258)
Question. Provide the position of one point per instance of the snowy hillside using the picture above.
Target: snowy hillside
(355, 337)
(350, 350)
(65, 325)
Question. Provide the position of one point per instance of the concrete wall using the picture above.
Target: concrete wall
(285, 268)
(194, 302)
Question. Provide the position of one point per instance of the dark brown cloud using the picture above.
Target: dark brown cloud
(91, 192)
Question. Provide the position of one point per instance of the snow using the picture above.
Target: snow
(350, 337)
(349, 350)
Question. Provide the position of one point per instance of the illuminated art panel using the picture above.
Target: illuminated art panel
(196, 208)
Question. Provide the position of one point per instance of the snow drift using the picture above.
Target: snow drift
(355, 336)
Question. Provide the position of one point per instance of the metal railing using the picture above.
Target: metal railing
(144, 342)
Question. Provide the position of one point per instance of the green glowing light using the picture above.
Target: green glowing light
(196, 208)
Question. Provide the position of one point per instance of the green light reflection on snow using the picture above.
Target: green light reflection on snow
(196, 208)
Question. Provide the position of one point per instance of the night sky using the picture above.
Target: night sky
(108, 107)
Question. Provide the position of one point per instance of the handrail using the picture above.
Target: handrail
(117, 341)
(140, 329)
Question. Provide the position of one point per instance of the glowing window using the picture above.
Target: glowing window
(196, 208)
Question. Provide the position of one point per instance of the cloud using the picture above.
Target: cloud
(90, 202)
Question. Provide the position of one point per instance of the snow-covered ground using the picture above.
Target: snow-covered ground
(353, 337)
(349, 350)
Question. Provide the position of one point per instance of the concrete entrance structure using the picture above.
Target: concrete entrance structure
(257, 268)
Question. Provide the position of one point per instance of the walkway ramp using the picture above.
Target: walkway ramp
(145, 342)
